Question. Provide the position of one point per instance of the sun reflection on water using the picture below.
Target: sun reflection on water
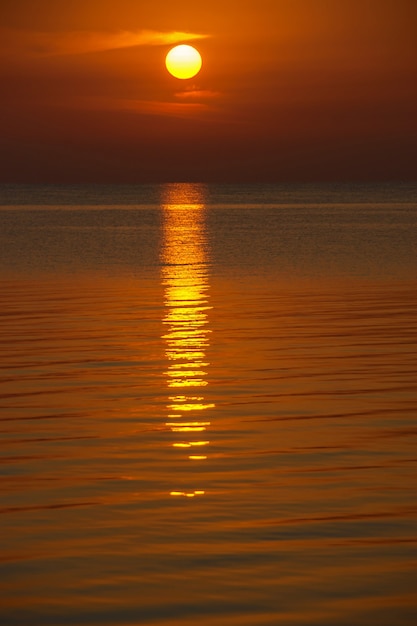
(185, 279)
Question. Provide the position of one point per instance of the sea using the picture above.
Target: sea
(208, 405)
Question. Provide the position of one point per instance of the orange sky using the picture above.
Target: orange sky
(290, 90)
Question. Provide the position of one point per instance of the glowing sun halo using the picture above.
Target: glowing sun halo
(183, 61)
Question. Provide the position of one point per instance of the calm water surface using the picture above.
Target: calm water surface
(208, 406)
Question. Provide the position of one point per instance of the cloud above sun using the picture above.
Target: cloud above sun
(84, 42)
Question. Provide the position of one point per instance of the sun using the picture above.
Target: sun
(183, 61)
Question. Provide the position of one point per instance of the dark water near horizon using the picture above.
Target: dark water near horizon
(208, 408)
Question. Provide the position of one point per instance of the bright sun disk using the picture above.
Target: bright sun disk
(183, 61)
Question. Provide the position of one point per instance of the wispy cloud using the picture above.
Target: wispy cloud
(79, 42)
(197, 94)
(171, 109)
(143, 107)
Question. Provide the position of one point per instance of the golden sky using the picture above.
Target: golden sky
(289, 90)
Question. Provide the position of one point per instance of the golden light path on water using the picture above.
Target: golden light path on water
(186, 283)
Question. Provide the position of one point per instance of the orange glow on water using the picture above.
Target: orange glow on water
(199, 424)
(190, 407)
(187, 336)
(188, 495)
